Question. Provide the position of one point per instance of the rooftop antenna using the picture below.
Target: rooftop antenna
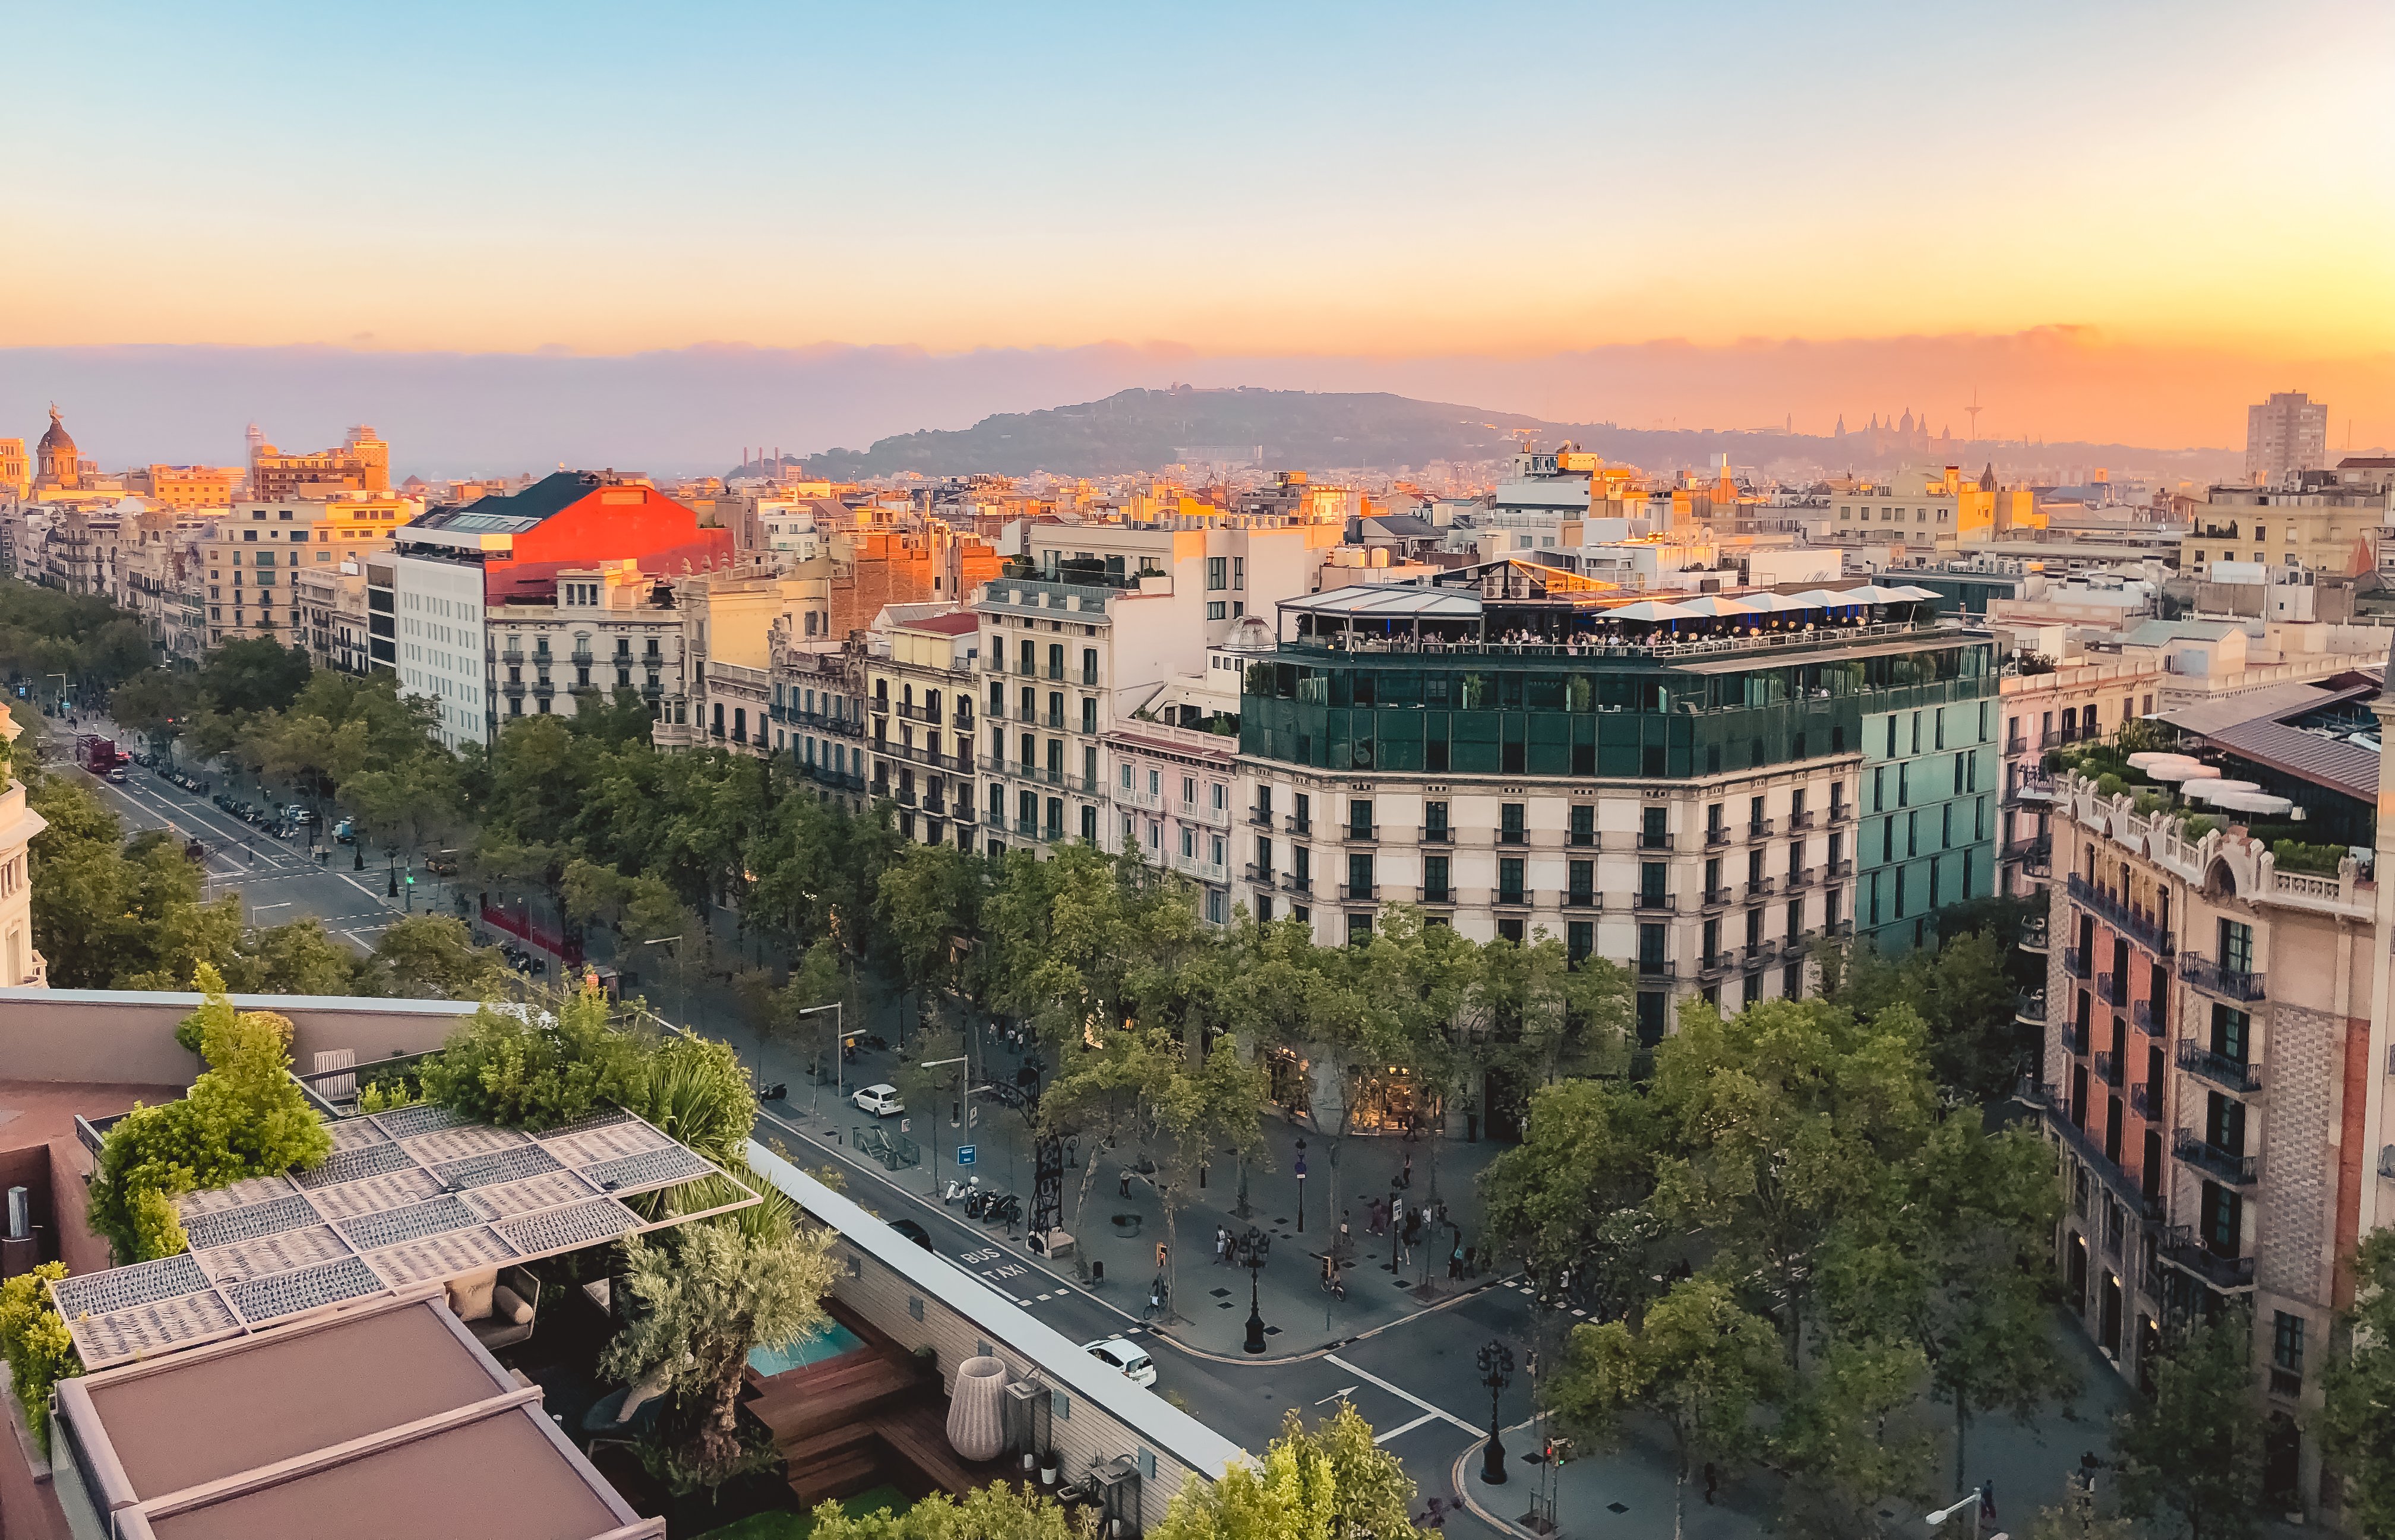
(1974, 410)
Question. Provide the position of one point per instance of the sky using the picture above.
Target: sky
(2111, 220)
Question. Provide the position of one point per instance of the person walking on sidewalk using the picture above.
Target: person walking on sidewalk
(1221, 1244)
(1405, 1176)
(1122, 1181)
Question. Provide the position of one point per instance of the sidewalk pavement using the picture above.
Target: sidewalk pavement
(1625, 1491)
(1208, 1311)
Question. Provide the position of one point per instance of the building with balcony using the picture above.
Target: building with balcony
(459, 579)
(2075, 703)
(255, 553)
(920, 720)
(820, 689)
(2213, 1076)
(1692, 798)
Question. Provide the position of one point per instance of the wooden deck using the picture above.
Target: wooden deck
(861, 1419)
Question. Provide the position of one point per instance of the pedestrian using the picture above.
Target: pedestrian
(1347, 1245)
(1122, 1181)
(1406, 1178)
(1988, 1505)
(1221, 1244)
(1373, 1220)
(1455, 1262)
(1712, 1483)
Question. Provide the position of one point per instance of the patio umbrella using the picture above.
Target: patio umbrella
(1714, 607)
(1910, 592)
(1768, 602)
(1824, 598)
(1647, 610)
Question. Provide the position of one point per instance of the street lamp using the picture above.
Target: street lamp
(674, 941)
(839, 1080)
(1300, 1184)
(1496, 1371)
(933, 1116)
(1977, 1496)
(1250, 1251)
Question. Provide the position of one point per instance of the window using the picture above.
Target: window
(1583, 882)
(1583, 824)
(1217, 610)
(1218, 577)
(1359, 876)
(1509, 880)
(1434, 820)
(1510, 829)
(1239, 571)
(1359, 928)
(2236, 946)
(1359, 818)
(2287, 1344)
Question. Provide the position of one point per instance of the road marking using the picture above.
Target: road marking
(261, 908)
(1399, 1391)
(1407, 1427)
(356, 883)
(1337, 1395)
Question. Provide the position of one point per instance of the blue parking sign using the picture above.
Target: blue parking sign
(964, 1155)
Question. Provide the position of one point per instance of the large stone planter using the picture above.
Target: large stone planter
(977, 1409)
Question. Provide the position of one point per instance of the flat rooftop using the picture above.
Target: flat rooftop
(383, 1422)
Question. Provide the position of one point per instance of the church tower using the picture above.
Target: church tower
(57, 463)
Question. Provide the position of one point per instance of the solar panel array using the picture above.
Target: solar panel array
(408, 1196)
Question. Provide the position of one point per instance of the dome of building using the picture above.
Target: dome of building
(55, 439)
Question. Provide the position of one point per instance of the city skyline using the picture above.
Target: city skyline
(1609, 216)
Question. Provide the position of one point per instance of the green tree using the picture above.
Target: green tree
(433, 956)
(1698, 1361)
(532, 1069)
(997, 1511)
(1789, 1129)
(926, 901)
(2357, 1418)
(1964, 993)
(1573, 1193)
(2076, 1518)
(1330, 1482)
(298, 958)
(35, 1344)
(702, 1298)
(1961, 1271)
(2190, 1456)
(244, 1116)
(1841, 1437)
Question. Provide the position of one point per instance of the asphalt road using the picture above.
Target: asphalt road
(1415, 1380)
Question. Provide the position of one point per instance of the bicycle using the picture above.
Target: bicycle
(1331, 1284)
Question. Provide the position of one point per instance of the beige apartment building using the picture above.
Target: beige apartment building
(333, 614)
(919, 713)
(1942, 510)
(254, 556)
(600, 628)
(2327, 524)
(2215, 1076)
(362, 463)
(21, 965)
(2076, 702)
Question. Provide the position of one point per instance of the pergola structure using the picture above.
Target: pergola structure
(416, 1195)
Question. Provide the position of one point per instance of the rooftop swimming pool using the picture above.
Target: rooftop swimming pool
(822, 1345)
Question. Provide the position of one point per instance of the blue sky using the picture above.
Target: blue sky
(1390, 181)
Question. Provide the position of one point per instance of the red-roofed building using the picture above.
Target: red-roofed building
(428, 601)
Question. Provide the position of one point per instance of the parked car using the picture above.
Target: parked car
(913, 1232)
(1136, 1366)
(441, 866)
(880, 1101)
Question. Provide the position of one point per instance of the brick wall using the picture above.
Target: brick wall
(2305, 1063)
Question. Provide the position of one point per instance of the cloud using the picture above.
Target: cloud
(694, 408)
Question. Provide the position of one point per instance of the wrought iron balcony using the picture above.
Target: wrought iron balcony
(2212, 979)
(1261, 875)
(1361, 834)
(1757, 888)
(1438, 834)
(2230, 1074)
(1292, 883)
(1713, 965)
(1801, 877)
(1650, 841)
(2108, 1067)
(1440, 895)
(2029, 1007)
(1759, 828)
(1293, 825)
(1718, 834)
(2130, 921)
(1714, 898)
(2074, 962)
(2224, 1164)
(2074, 1037)
(2034, 936)
(1840, 812)
(2146, 1100)
(1655, 968)
(2112, 989)
(1800, 820)
(1367, 893)
(2150, 1018)
(1657, 903)
(2181, 1249)
(1583, 899)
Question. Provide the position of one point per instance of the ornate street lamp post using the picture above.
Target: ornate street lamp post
(1250, 1251)
(1496, 1371)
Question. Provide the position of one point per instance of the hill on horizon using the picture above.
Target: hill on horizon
(1142, 430)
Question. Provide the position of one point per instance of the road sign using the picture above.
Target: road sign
(964, 1155)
